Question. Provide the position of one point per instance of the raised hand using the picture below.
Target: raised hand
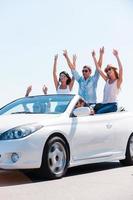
(29, 89)
(45, 89)
(56, 57)
(102, 50)
(65, 53)
(115, 52)
(93, 53)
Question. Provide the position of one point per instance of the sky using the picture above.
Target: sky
(33, 31)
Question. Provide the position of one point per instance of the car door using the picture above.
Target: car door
(92, 136)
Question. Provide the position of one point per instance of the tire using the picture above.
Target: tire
(55, 158)
(129, 153)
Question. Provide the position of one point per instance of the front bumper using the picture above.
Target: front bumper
(28, 150)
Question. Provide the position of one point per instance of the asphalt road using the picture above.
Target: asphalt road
(105, 181)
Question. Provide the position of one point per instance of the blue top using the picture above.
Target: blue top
(87, 88)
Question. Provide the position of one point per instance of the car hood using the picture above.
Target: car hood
(13, 120)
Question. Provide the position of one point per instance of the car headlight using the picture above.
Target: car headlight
(20, 131)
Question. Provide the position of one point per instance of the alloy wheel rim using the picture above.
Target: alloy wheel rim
(57, 158)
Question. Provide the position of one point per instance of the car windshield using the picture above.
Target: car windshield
(48, 104)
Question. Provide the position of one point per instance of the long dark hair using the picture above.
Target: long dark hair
(67, 75)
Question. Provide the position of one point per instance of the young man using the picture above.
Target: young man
(87, 83)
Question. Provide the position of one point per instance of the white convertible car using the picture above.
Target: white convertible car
(50, 133)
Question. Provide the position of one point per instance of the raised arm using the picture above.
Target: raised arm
(70, 64)
(115, 52)
(28, 91)
(55, 71)
(101, 52)
(73, 79)
(45, 89)
(74, 60)
(98, 67)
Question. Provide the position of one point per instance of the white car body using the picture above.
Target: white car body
(91, 139)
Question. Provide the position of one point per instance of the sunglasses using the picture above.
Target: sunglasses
(85, 70)
(109, 69)
(62, 76)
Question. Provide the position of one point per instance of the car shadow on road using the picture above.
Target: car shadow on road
(79, 170)
(91, 168)
(15, 177)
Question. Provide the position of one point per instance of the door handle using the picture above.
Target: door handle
(109, 125)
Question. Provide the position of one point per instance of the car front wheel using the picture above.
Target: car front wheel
(129, 153)
(55, 158)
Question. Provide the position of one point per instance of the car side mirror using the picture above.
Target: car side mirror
(82, 111)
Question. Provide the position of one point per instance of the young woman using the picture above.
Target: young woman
(113, 80)
(64, 84)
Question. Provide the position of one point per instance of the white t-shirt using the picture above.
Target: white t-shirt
(110, 92)
(63, 91)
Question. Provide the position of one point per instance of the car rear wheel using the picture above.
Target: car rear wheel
(129, 153)
(55, 158)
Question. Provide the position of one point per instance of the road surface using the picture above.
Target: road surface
(105, 181)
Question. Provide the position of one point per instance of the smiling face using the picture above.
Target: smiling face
(86, 72)
(111, 72)
(63, 78)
